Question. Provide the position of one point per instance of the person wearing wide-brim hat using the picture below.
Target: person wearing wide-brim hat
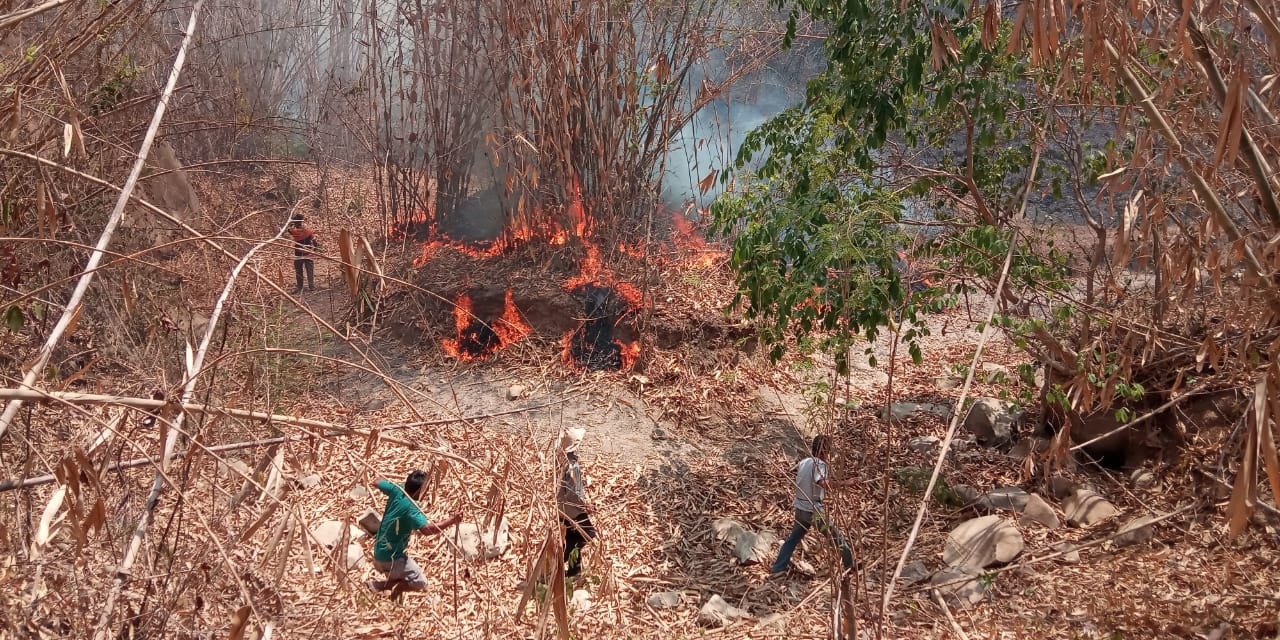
(575, 508)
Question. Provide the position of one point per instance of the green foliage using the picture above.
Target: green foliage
(14, 319)
(915, 479)
(817, 226)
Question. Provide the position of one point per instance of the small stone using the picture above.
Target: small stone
(1061, 486)
(1135, 531)
(478, 543)
(982, 542)
(1039, 512)
(1141, 479)
(967, 494)
(771, 620)
(1085, 508)
(1027, 447)
(355, 557)
(515, 392)
(993, 373)
(1070, 554)
(358, 492)
(718, 613)
(659, 433)
(960, 586)
(803, 567)
(992, 420)
(665, 600)
(233, 469)
(329, 532)
(581, 601)
(902, 410)
(370, 521)
(924, 444)
(914, 572)
(1007, 498)
(945, 382)
(748, 547)
(309, 482)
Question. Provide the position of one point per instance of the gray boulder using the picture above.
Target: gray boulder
(982, 542)
(355, 557)
(1006, 498)
(1084, 508)
(961, 586)
(749, 547)
(370, 521)
(927, 445)
(1039, 512)
(1141, 479)
(665, 600)
(914, 572)
(1135, 531)
(993, 421)
(329, 532)
(1070, 554)
(900, 411)
(476, 543)
(718, 613)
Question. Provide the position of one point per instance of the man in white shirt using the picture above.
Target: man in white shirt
(811, 488)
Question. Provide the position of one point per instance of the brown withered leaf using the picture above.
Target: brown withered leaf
(1244, 498)
(239, 623)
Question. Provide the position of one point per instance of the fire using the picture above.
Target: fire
(477, 340)
(689, 240)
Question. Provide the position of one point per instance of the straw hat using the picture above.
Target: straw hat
(571, 438)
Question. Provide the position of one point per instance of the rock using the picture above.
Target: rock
(1141, 479)
(771, 620)
(665, 600)
(947, 381)
(982, 542)
(1007, 498)
(515, 392)
(1070, 554)
(358, 492)
(903, 410)
(370, 521)
(718, 613)
(1085, 508)
(993, 373)
(581, 600)
(308, 482)
(914, 572)
(992, 420)
(355, 557)
(755, 547)
(1135, 531)
(748, 547)
(233, 469)
(476, 543)
(1039, 512)
(659, 433)
(329, 532)
(961, 586)
(803, 567)
(1061, 486)
(1027, 447)
(966, 494)
(924, 444)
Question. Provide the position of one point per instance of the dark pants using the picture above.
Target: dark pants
(304, 264)
(577, 533)
(806, 520)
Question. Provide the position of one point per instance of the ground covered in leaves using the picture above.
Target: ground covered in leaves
(702, 428)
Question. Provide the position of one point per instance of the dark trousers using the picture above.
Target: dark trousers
(301, 265)
(806, 520)
(577, 533)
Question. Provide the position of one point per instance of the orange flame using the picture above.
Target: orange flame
(473, 341)
(688, 240)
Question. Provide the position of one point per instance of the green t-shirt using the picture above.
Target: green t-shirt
(401, 518)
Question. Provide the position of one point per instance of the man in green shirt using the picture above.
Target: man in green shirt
(401, 518)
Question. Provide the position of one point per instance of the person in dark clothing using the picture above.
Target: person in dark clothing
(304, 247)
(575, 509)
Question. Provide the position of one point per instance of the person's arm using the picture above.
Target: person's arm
(386, 487)
(436, 527)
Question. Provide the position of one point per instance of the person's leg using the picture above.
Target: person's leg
(385, 569)
(297, 275)
(574, 541)
(311, 274)
(831, 531)
(803, 520)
